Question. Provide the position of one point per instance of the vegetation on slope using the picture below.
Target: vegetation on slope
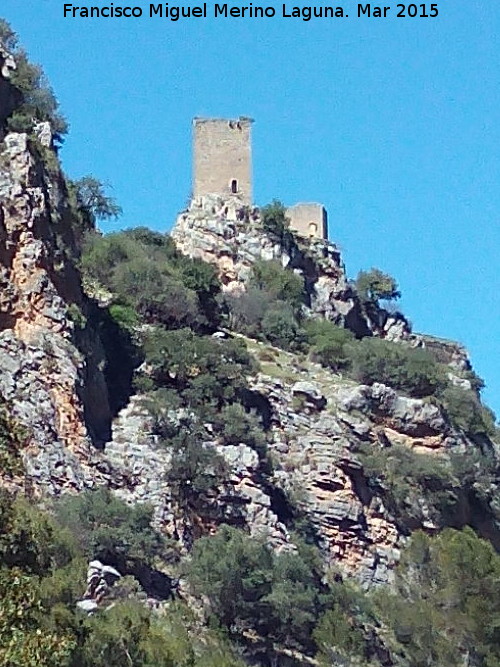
(38, 102)
(444, 607)
(42, 575)
(288, 601)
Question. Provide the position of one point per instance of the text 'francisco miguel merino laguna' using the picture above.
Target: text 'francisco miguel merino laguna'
(223, 10)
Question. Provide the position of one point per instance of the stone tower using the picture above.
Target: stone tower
(222, 157)
(309, 220)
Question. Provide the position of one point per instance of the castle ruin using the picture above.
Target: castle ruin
(222, 165)
(309, 220)
(222, 160)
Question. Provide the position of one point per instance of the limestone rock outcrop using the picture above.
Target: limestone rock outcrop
(316, 464)
(42, 374)
(138, 467)
(230, 235)
(100, 580)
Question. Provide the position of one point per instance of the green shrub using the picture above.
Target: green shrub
(31, 539)
(270, 309)
(235, 573)
(452, 581)
(144, 272)
(93, 201)
(8, 37)
(203, 370)
(339, 635)
(109, 530)
(274, 219)
(250, 587)
(101, 255)
(294, 601)
(412, 484)
(128, 634)
(23, 638)
(125, 316)
(328, 343)
(202, 279)
(158, 298)
(38, 100)
(268, 354)
(235, 426)
(116, 638)
(11, 444)
(247, 310)
(412, 371)
(374, 285)
(76, 316)
(155, 241)
(196, 467)
(161, 404)
(465, 411)
(280, 283)
(280, 326)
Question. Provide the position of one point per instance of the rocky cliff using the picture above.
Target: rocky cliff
(322, 428)
(230, 235)
(50, 387)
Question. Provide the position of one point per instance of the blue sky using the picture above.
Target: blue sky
(393, 124)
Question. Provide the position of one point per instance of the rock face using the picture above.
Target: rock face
(100, 580)
(314, 453)
(230, 235)
(139, 467)
(42, 372)
(315, 432)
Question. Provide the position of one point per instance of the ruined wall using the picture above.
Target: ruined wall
(222, 157)
(309, 220)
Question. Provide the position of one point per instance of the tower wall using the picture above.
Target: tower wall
(309, 220)
(222, 157)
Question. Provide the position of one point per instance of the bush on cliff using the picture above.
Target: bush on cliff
(11, 443)
(412, 371)
(329, 344)
(453, 581)
(196, 467)
(280, 283)
(246, 311)
(143, 271)
(271, 308)
(374, 285)
(38, 100)
(340, 632)
(109, 530)
(92, 201)
(249, 587)
(416, 487)
(204, 371)
(237, 426)
(275, 221)
(466, 412)
(24, 639)
(280, 327)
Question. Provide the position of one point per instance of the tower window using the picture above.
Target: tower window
(313, 229)
(234, 186)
